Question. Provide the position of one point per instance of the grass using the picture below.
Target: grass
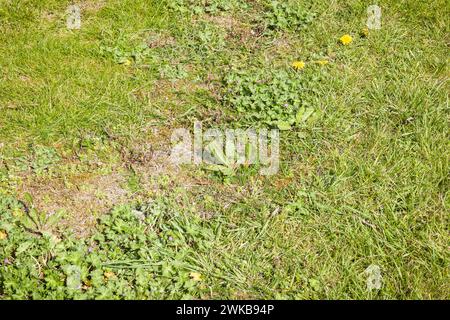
(89, 210)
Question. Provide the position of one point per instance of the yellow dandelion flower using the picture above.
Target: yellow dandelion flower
(127, 62)
(196, 276)
(346, 39)
(322, 62)
(3, 235)
(298, 65)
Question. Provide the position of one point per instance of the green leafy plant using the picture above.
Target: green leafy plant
(223, 165)
(43, 158)
(142, 251)
(274, 98)
(206, 41)
(35, 220)
(125, 56)
(286, 15)
(206, 6)
(173, 72)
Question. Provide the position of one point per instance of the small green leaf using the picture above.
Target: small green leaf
(303, 114)
(283, 125)
(28, 198)
(226, 171)
(23, 247)
(73, 280)
(315, 284)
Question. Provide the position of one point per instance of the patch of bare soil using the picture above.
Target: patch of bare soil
(150, 159)
(244, 33)
(83, 199)
(159, 40)
(90, 6)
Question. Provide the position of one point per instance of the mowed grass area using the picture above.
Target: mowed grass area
(90, 209)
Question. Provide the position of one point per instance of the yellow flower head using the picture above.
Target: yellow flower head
(322, 62)
(3, 235)
(346, 39)
(196, 276)
(298, 65)
(109, 274)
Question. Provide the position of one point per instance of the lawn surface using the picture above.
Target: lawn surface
(91, 208)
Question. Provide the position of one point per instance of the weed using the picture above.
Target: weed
(286, 16)
(274, 98)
